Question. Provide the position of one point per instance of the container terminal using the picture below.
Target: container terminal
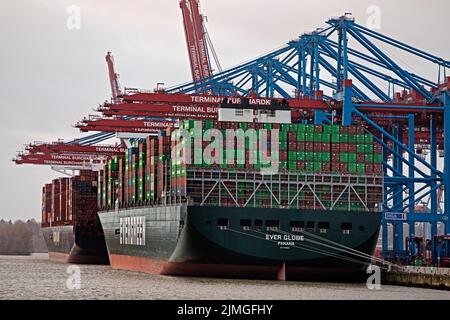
(358, 142)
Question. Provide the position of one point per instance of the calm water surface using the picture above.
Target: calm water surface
(36, 277)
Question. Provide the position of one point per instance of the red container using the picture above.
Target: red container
(343, 147)
(292, 146)
(335, 167)
(326, 167)
(352, 147)
(317, 147)
(326, 147)
(360, 158)
(301, 165)
(300, 146)
(377, 169)
(292, 136)
(343, 167)
(335, 147)
(352, 129)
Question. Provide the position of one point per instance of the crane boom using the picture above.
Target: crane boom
(195, 39)
(113, 78)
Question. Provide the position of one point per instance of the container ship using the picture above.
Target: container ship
(165, 215)
(70, 224)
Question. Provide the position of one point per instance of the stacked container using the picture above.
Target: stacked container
(71, 200)
(322, 156)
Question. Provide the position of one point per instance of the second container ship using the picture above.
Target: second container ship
(70, 224)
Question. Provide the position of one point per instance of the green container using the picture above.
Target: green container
(368, 138)
(309, 156)
(335, 138)
(361, 138)
(318, 167)
(268, 126)
(283, 145)
(292, 156)
(326, 157)
(318, 156)
(243, 125)
(352, 167)
(293, 127)
(352, 157)
(369, 157)
(283, 165)
(209, 124)
(309, 128)
(360, 168)
(301, 127)
(318, 137)
(369, 148)
(327, 129)
(285, 127)
(326, 138)
(343, 137)
(301, 136)
(377, 158)
(309, 166)
(283, 135)
(292, 165)
(343, 157)
(301, 156)
(352, 138)
(309, 137)
(335, 129)
(361, 148)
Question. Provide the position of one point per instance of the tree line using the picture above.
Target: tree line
(20, 238)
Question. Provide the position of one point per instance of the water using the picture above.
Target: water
(36, 277)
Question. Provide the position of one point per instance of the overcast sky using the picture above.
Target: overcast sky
(52, 76)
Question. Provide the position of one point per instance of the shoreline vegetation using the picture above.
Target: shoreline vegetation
(21, 238)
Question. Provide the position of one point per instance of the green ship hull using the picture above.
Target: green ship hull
(264, 243)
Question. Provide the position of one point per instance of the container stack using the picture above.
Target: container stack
(316, 167)
(47, 204)
(83, 204)
(142, 165)
(150, 169)
(69, 201)
(56, 209)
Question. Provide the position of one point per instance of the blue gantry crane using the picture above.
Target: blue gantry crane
(354, 70)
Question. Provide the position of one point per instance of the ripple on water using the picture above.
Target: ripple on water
(36, 277)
